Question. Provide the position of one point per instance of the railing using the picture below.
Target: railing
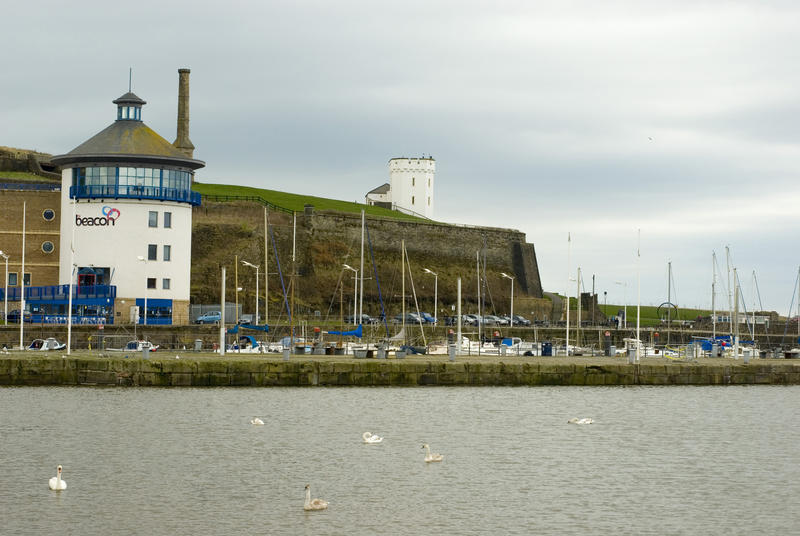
(256, 199)
(102, 191)
(61, 292)
(54, 187)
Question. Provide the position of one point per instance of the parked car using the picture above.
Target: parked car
(212, 317)
(365, 319)
(428, 318)
(492, 320)
(471, 320)
(13, 316)
(519, 321)
(411, 318)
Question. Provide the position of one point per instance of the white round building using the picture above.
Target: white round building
(126, 219)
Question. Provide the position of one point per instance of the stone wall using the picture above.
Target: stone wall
(264, 372)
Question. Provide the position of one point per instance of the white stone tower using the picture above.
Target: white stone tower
(411, 181)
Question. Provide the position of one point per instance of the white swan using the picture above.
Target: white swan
(56, 484)
(313, 504)
(585, 420)
(431, 457)
(369, 437)
(256, 421)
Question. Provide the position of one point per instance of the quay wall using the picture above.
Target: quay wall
(304, 371)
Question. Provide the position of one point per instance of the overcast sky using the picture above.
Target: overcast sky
(597, 119)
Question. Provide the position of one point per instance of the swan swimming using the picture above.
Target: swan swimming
(56, 484)
(431, 457)
(313, 504)
(256, 421)
(369, 437)
(585, 420)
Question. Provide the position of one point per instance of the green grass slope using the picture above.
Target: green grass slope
(296, 202)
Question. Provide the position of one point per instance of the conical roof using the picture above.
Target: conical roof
(127, 141)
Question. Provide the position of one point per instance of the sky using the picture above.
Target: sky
(665, 127)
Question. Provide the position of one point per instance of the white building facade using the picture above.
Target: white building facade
(410, 187)
(411, 181)
(126, 219)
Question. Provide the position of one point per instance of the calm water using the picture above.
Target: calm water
(674, 460)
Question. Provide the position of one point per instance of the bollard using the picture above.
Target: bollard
(451, 351)
(145, 351)
(198, 345)
(286, 354)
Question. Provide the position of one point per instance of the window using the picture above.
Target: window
(413, 181)
(47, 246)
(12, 279)
(412, 199)
(429, 200)
(151, 282)
(165, 284)
(167, 253)
(27, 279)
(48, 214)
(153, 221)
(152, 252)
(429, 182)
(168, 220)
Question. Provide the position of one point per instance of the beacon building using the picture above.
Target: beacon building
(126, 216)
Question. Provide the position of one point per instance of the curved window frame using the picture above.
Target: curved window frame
(162, 183)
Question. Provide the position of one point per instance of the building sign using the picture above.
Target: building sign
(109, 218)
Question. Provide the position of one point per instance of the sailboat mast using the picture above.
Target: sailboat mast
(403, 286)
(566, 291)
(266, 267)
(669, 299)
(730, 297)
(480, 316)
(292, 283)
(736, 314)
(578, 322)
(361, 290)
(638, 292)
(713, 296)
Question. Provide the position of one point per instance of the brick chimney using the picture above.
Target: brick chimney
(182, 141)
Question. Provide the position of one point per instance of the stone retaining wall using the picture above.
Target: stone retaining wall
(265, 372)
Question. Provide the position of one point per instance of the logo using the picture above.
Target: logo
(109, 218)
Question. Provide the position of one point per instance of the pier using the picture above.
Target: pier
(189, 369)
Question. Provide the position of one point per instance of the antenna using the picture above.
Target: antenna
(130, 78)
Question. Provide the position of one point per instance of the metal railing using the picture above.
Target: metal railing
(103, 191)
(60, 292)
(253, 198)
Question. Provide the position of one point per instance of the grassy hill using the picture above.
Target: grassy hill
(649, 314)
(23, 176)
(296, 202)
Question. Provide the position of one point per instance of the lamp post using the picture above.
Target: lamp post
(69, 310)
(435, 295)
(355, 293)
(625, 294)
(5, 291)
(512, 295)
(605, 304)
(256, 267)
(144, 260)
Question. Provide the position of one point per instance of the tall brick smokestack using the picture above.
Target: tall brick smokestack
(182, 141)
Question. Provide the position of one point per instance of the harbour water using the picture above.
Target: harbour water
(657, 460)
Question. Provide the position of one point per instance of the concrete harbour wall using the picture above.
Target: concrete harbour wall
(187, 371)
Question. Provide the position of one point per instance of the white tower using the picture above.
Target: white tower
(411, 181)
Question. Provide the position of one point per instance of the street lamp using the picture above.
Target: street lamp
(256, 267)
(69, 310)
(435, 295)
(625, 294)
(145, 288)
(355, 293)
(5, 291)
(512, 295)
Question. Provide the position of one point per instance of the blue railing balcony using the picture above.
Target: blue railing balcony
(61, 292)
(103, 191)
